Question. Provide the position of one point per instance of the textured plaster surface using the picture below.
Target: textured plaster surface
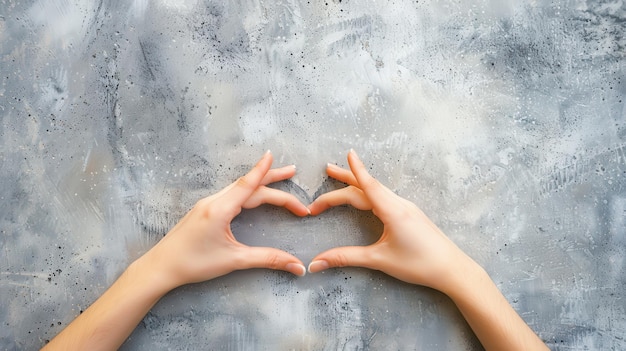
(503, 120)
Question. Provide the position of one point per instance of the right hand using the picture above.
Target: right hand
(411, 247)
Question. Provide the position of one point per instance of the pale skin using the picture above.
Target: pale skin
(199, 248)
(413, 249)
(202, 247)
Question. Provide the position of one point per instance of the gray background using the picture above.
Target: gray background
(503, 120)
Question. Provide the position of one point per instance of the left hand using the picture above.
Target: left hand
(202, 245)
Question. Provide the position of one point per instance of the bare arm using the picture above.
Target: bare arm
(489, 314)
(413, 249)
(110, 320)
(200, 247)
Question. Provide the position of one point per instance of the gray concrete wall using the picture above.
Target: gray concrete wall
(503, 120)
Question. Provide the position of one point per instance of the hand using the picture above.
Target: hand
(411, 248)
(202, 246)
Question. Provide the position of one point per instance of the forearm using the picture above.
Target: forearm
(107, 323)
(496, 324)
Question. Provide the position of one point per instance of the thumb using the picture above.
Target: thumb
(272, 258)
(346, 256)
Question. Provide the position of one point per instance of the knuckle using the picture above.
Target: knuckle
(356, 197)
(378, 255)
(272, 261)
(208, 209)
(243, 182)
(240, 259)
(353, 190)
(201, 203)
(341, 260)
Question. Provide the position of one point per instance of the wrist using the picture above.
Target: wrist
(466, 276)
(146, 273)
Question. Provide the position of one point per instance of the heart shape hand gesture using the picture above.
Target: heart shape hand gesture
(202, 246)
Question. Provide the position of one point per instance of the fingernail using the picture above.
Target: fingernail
(354, 153)
(318, 266)
(268, 152)
(295, 267)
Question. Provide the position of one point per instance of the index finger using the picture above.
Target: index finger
(243, 187)
(377, 193)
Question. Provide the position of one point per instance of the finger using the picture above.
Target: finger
(278, 174)
(265, 195)
(272, 258)
(349, 195)
(379, 195)
(242, 188)
(346, 256)
(341, 174)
